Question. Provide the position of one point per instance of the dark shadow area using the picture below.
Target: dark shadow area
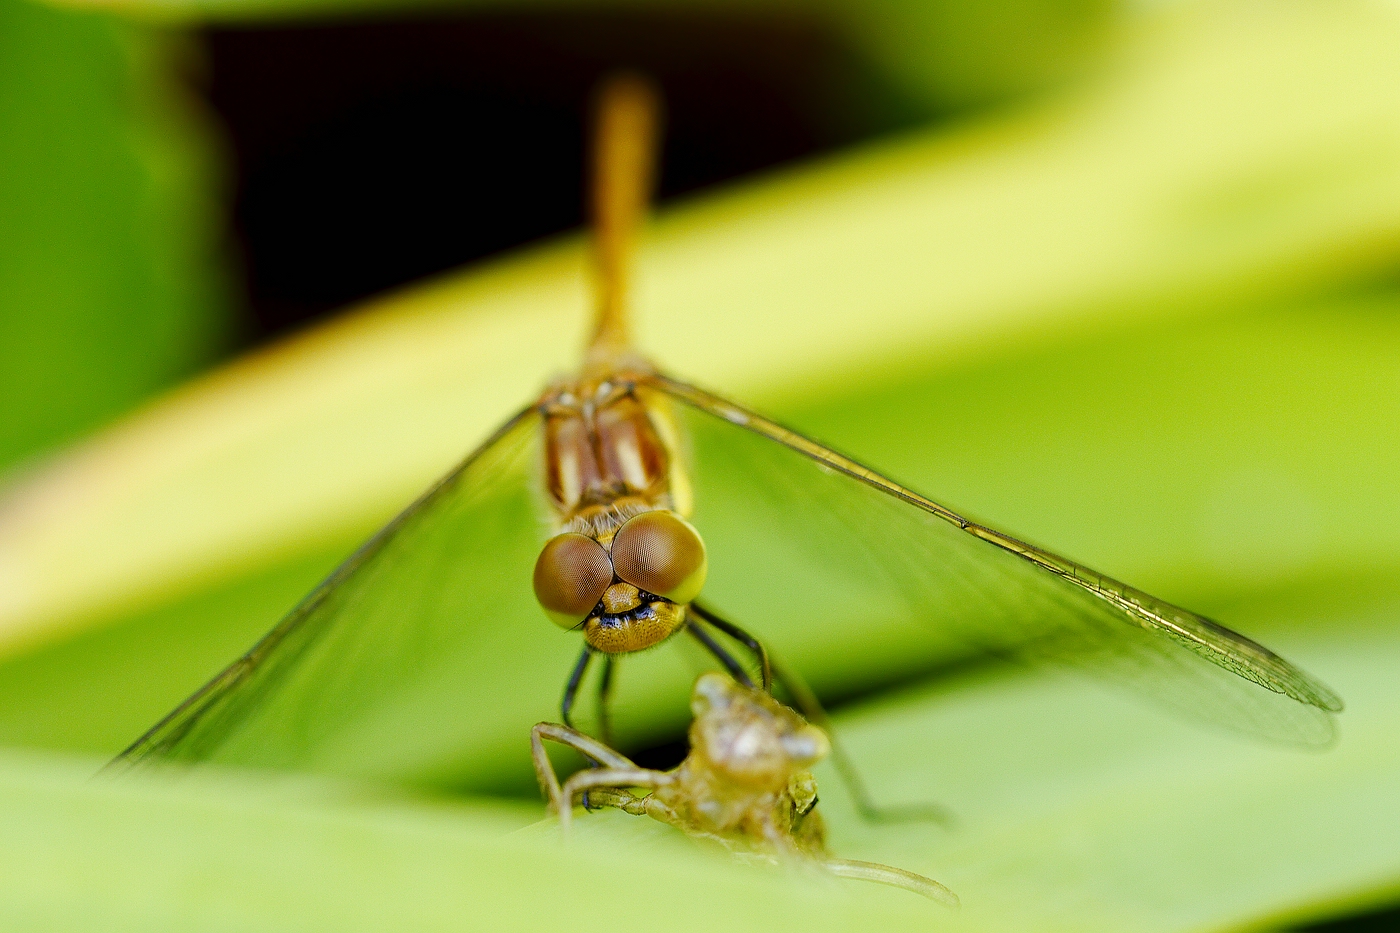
(1385, 920)
(372, 154)
(663, 756)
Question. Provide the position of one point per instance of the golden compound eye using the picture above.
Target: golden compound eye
(661, 553)
(571, 576)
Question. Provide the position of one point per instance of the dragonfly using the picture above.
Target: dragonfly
(633, 508)
(745, 784)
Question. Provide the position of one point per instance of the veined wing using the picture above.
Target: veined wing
(393, 657)
(842, 544)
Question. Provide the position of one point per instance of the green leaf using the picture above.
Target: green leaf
(1074, 811)
(1006, 316)
(239, 853)
(106, 273)
(1078, 810)
(1148, 324)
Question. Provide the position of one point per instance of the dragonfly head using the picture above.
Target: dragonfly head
(750, 738)
(627, 589)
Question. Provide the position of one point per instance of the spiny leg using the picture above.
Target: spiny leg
(628, 802)
(544, 768)
(613, 778)
(570, 738)
(807, 703)
(622, 800)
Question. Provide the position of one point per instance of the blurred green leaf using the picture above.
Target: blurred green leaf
(238, 853)
(969, 53)
(1149, 324)
(921, 280)
(1078, 810)
(107, 288)
(1075, 811)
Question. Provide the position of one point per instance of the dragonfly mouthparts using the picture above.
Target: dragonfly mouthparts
(651, 621)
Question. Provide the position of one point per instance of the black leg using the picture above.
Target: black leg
(807, 703)
(571, 693)
(743, 638)
(571, 688)
(735, 669)
(605, 686)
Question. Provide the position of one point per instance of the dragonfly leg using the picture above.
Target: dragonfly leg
(807, 703)
(743, 638)
(735, 669)
(566, 706)
(605, 688)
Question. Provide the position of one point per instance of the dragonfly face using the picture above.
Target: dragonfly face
(625, 564)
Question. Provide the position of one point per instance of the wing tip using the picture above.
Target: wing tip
(1306, 688)
(1328, 700)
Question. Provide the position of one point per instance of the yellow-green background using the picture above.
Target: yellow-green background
(1137, 301)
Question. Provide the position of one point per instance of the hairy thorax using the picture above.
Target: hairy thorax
(608, 457)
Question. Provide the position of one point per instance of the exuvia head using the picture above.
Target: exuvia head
(634, 584)
(750, 738)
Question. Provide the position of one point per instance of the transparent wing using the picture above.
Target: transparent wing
(803, 540)
(388, 665)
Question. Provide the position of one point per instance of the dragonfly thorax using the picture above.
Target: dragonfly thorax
(601, 445)
(626, 563)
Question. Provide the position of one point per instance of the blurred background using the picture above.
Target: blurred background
(1121, 276)
(176, 196)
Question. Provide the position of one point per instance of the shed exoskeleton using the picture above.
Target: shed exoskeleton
(746, 784)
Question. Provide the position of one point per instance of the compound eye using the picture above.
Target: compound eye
(571, 576)
(661, 553)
